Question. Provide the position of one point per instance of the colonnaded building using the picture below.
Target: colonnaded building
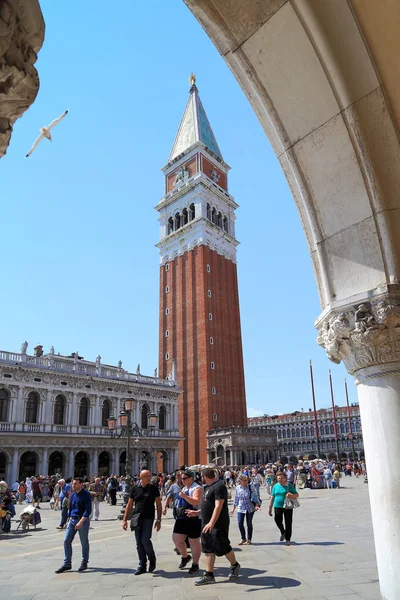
(54, 413)
(296, 432)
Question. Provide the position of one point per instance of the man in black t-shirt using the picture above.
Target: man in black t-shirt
(143, 497)
(215, 522)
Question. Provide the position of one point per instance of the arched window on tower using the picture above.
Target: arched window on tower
(208, 212)
(214, 216)
(170, 225)
(192, 212)
(145, 416)
(225, 224)
(162, 418)
(219, 220)
(32, 404)
(177, 220)
(4, 400)
(185, 217)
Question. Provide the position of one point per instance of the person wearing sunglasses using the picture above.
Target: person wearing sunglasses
(188, 499)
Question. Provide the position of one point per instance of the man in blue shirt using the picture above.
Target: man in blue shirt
(80, 508)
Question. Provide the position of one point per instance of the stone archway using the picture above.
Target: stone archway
(104, 463)
(28, 465)
(81, 464)
(323, 80)
(56, 463)
(162, 461)
(3, 465)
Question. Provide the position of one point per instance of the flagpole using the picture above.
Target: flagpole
(351, 436)
(315, 409)
(334, 415)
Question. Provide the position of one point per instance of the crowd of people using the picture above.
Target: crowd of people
(198, 497)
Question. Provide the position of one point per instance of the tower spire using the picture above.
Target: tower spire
(194, 126)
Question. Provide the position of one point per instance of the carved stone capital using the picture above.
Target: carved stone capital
(21, 37)
(365, 333)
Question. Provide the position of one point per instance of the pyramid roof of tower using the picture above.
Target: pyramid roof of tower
(194, 127)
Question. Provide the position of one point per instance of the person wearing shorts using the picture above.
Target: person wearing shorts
(215, 522)
(189, 498)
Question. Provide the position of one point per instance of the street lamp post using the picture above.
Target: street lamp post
(128, 428)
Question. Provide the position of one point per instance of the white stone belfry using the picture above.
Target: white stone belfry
(196, 197)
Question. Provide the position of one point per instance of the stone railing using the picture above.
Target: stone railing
(68, 365)
(79, 430)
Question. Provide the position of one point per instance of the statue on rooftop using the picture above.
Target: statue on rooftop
(24, 347)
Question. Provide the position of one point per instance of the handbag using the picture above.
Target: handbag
(135, 521)
(290, 503)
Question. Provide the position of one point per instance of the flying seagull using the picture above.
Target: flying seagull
(46, 132)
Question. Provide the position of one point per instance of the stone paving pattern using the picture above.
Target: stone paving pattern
(332, 557)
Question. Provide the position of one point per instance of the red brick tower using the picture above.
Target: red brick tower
(200, 336)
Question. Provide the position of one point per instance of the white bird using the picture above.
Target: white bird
(46, 132)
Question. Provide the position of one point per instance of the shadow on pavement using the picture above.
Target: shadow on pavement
(109, 570)
(262, 582)
(297, 544)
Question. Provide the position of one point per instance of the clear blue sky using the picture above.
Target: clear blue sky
(80, 270)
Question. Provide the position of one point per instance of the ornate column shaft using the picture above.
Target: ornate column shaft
(71, 464)
(366, 336)
(97, 420)
(45, 462)
(74, 412)
(14, 467)
(94, 467)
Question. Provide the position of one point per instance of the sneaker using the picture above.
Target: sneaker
(234, 571)
(287, 543)
(96, 519)
(205, 579)
(282, 538)
(83, 566)
(194, 569)
(184, 562)
(59, 527)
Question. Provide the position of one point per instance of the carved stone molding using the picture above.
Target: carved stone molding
(364, 334)
(21, 37)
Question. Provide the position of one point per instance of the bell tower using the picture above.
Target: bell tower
(199, 300)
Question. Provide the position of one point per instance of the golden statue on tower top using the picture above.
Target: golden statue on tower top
(192, 79)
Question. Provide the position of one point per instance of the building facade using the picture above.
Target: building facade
(54, 411)
(296, 435)
(199, 300)
(238, 446)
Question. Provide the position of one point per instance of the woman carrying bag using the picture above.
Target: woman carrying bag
(283, 499)
(247, 501)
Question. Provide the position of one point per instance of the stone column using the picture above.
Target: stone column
(94, 467)
(14, 468)
(96, 420)
(71, 464)
(49, 408)
(45, 462)
(367, 338)
(20, 405)
(116, 469)
(73, 420)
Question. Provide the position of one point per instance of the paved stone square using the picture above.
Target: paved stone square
(332, 557)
